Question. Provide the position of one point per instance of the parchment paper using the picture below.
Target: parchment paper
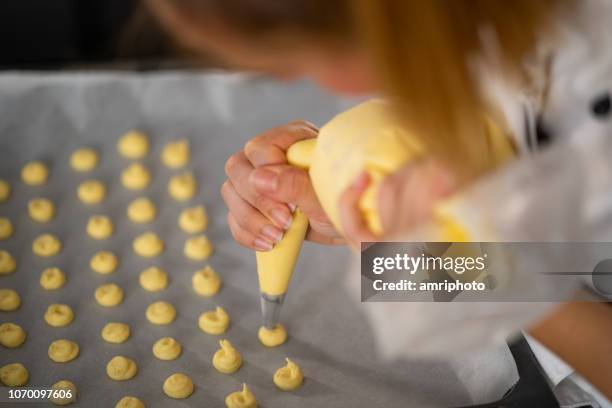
(47, 117)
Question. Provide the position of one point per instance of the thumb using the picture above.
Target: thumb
(287, 184)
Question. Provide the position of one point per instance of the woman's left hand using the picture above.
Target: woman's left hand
(406, 199)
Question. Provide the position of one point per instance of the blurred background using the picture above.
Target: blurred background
(81, 34)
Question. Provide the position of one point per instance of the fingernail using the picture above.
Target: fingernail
(272, 233)
(262, 245)
(362, 180)
(282, 218)
(265, 180)
(292, 207)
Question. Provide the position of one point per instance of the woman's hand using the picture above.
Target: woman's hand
(262, 190)
(405, 199)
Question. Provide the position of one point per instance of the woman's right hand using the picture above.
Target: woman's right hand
(262, 190)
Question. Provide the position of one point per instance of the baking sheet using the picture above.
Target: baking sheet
(47, 117)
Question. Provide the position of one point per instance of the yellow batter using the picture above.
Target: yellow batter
(9, 300)
(7, 263)
(14, 375)
(129, 402)
(115, 333)
(215, 321)
(5, 190)
(198, 248)
(241, 399)
(99, 227)
(153, 279)
(91, 192)
(46, 245)
(109, 295)
(161, 313)
(11, 335)
(6, 228)
(52, 278)
(167, 348)
(148, 245)
(135, 177)
(141, 210)
(59, 315)
(104, 262)
(121, 368)
(288, 378)
(227, 359)
(133, 145)
(35, 173)
(206, 282)
(176, 154)
(178, 386)
(63, 351)
(41, 209)
(183, 186)
(272, 337)
(193, 220)
(68, 388)
(84, 159)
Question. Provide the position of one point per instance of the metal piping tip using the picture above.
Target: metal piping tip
(270, 309)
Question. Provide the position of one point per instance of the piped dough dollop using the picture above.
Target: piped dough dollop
(141, 210)
(5, 190)
(65, 393)
(178, 386)
(52, 278)
(183, 186)
(227, 359)
(135, 177)
(161, 313)
(84, 159)
(35, 173)
(14, 375)
(104, 262)
(91, 192)
(9, 300)
(99, 227)
(198, 248)
(46, 245)
(193, 220)
(167, 348)
(148, 245)
(59, 315)
(41, 209)
(215, 321)
(11, 335)
(63, 351)
(241, 399)
(206, 282)
(129, 402)
(109, 295)
(289, 377)
(7, 263)
(153, 279)
(176, 153)
(115, 333)
(121, 368)
(6, 228)
(272, 337)
(133, 145)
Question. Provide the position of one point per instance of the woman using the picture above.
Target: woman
(446, 65)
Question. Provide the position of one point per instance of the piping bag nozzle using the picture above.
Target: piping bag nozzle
(270, 309)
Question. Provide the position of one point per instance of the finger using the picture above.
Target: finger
(324, 239)
(271, 146)
(247, 217)
(288, 184)
(245, 238)
(238, 169)
(353, 225)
